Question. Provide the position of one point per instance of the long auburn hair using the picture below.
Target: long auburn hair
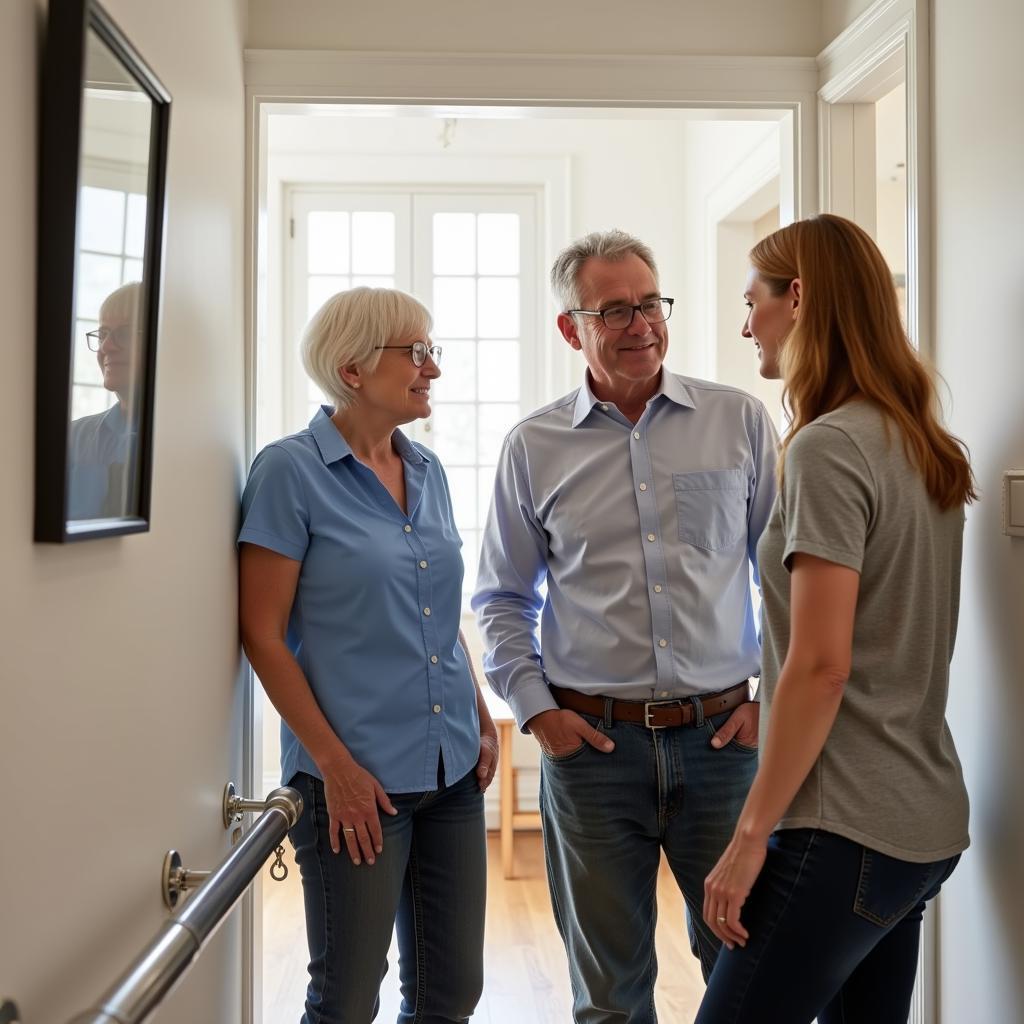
(848, 342)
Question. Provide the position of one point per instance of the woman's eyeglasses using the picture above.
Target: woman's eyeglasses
(419, 350)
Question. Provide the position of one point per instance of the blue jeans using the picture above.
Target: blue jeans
(430, 881)
(834, 932)
(606, 819)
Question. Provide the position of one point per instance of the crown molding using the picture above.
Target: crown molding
(886, 19)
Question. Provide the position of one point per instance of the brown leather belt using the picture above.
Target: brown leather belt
(655, 714)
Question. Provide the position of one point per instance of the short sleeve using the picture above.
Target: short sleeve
(275, 513)
(828, 497)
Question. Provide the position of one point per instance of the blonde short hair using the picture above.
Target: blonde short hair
(123, 304)
(349, 327)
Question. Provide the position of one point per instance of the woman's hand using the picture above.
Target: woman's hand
(727, 887)
(487, 763)
(353, 795)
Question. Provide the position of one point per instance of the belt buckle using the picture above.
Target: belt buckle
(648, 704)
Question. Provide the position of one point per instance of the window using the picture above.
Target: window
(471, 260)
(340, 241)
(112, 229)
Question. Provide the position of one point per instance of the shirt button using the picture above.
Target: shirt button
(433, 659)
(437, 709)
(604, 407)
(407, 528)
(650, 536)
(426, 611)
(636, 434)
(423, 565)
(657, 588)
(663, 643)
(643, 487)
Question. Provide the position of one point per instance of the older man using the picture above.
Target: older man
(638, 500)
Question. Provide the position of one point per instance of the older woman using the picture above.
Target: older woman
(350, 594)
(858, 812)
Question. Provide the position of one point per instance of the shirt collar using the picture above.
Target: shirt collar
(113, 418)
(670, 387)
(333, 446)
(406, 449)
(676, 391)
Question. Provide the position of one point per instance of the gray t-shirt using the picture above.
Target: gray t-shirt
(888, 776)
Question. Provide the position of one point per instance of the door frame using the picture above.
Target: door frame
(465, 85)
(886, 45)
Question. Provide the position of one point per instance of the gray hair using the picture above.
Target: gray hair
(606, 245)
(123, 303)
(349, 327)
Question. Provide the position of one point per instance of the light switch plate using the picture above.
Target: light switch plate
(1013, 502)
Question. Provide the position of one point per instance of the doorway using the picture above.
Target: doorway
(467, 213)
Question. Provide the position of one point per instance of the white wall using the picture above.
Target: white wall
(891, 179)
(600, 155)
(781, 28)
(837, 15)
(119, 698)
(736, 358)
(979, 222)
(715, 151)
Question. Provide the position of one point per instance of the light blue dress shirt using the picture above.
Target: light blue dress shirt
(101, 471)
(375, 621)
(644, 535)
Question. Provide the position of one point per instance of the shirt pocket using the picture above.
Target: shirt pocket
(712, 507)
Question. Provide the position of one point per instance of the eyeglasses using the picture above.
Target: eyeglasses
(618, 318)
(419, 350)
(122, 336)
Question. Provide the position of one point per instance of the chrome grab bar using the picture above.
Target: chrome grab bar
(145, 984)
(233, 807)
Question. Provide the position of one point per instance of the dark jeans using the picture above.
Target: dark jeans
(606, 818)
(430, 881)
(834, 933)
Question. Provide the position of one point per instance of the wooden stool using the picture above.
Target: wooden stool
(512, 819)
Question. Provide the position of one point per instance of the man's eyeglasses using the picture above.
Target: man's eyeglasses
(419, 350)
(618, 318)
(122, 336)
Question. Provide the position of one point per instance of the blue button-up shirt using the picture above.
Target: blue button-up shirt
(644, 535)
(375, 621)
(101, 452)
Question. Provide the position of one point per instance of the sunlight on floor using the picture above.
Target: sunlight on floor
(525, 975)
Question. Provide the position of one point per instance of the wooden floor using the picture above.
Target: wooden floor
(525, 974)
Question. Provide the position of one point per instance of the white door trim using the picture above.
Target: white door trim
(887, 44)
(528, 79)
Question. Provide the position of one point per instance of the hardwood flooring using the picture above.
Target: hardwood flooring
(525, 974)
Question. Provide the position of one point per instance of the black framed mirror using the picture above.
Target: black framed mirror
(102, 173)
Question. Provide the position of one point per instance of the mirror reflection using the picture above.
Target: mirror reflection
(110, 314)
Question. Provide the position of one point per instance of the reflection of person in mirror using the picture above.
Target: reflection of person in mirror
(102, 447)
